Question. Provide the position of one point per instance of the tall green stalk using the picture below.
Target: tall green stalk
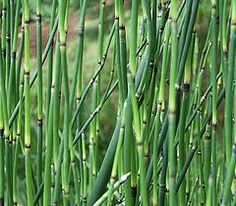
(172, 105)
(40, 92)
(213, 66)
(27, 122)
(228, 88)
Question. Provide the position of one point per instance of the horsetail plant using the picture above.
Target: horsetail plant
(27, 134)
(171, 81)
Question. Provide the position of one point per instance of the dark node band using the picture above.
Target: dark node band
(39, 18)
(133, 191)
(234, 149)
(81, 31)
(217, 19)
(233, 22)
(199, 110)
(122, 126)
(4, 53)
(139, 144)
(214, 126)
(26, 73)
(1, 132)
(40, 122)
(122, 27)
(146, 156)
(213, 6)
(27, 146)
(13, 55)
(186, 87)
(6, 137)
(62, 44)
(26, 22)
(207, 137)
(8, 37)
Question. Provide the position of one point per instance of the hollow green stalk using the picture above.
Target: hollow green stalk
(66, 158)
(228, 87)
(39, 92)
(27, 121)
(172, 105)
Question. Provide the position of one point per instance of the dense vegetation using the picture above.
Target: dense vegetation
(174, 138)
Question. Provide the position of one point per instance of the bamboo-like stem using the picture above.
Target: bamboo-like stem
(95, 127)
(172, 106)
(55, 90)
(228, 88)
(213, 66)
(18, 137)
(229, 178)
(39, 92)
(66, 128)
(2, 137)
(28, 172)
(129, 145)
(50, 61)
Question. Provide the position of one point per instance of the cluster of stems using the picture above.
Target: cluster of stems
(174, 139)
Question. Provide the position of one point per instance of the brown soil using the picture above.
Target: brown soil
(73, 22)
(92, 15)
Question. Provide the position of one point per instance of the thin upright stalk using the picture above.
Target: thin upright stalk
(172, 105)
(228, 87)
(213, 66)
(28, 171)
(39, 92)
